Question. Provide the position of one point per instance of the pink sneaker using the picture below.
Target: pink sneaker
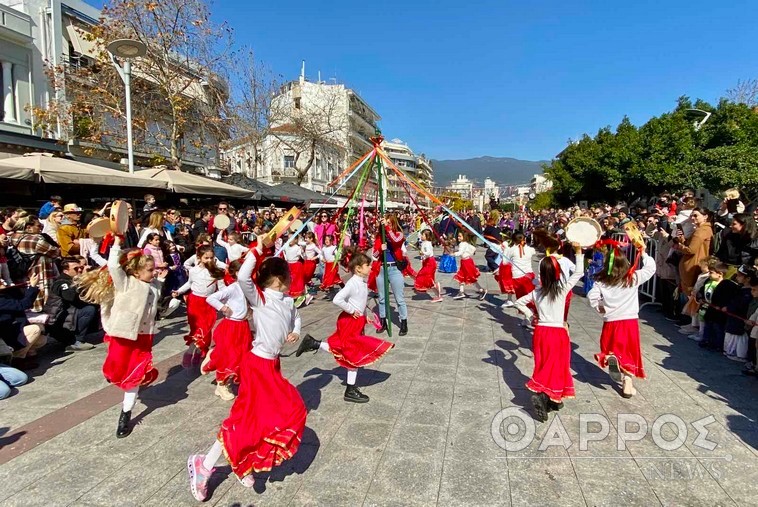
(198, 477)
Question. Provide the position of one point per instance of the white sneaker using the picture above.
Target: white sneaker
(687, 330)
(695, 337)
(460, 295)
(308, 299)
(507, 304)
(223, 392)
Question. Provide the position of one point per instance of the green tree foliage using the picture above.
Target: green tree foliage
(543, 200)
(666, 153)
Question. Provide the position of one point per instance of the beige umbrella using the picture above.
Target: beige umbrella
(188, 183)
(45, 167)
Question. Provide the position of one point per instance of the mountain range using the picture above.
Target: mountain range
(503, 170)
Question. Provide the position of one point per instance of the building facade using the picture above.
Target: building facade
(540, 184)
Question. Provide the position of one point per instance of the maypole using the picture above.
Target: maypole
(377, 141)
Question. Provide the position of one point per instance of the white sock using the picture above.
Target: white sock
(130, 398)
(352, 376)
(325, 346)
(461, 290)
(213, 455)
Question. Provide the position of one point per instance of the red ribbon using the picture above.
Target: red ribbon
(556, 267)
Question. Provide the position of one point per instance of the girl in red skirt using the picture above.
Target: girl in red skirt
(127, 288)
(232, 336)
(293, 254)
(425, 279)
(518, 257)
(467, 272)
(202, 282)
(331, 266)
(615, 296)
(350, 347)
(266, 422)
(551, 380)
(312, 256)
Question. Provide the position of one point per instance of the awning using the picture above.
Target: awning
(193, 184)
(80, 43)
(264, 192)
(298, 193)
(49, 169)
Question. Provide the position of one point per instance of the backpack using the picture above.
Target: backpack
(19, 264)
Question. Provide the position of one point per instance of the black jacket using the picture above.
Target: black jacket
(13, 305)
(62, 302)
(723, 294)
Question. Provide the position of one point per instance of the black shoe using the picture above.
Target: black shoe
(384, 326)
(553, 406)
(403, 327)
(353, 394)
(123, 429)
(539, 400)
(308, 344)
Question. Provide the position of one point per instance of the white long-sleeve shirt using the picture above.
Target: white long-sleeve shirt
(550, 312)
(327, 253)
(234, 251)
(192, 261)
(231, 296)
(293, 253)
(427, 250)
(200, 282)
(353, 296)
(622, 303)
(93, 252)
(312, 251)
(274, 314)
(465, 250)
(522, 263)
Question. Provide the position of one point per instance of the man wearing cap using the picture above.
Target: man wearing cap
(48, 207)
(69, 232)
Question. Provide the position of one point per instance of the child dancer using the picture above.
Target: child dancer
(312, 256)
(425, 279)
(202, 282)
(519, 255)
(234, 247)
(551, 380)
(127, 288)
(293, 254)
(331, 267)
(350, 347)
(615, 296)
(467, 272)
(266, 422)
(232, 336)
(447, 262)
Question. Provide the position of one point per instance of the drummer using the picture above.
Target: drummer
(220, 251)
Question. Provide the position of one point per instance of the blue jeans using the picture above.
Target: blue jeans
(11, 377)
(397, 285)
(220, 253)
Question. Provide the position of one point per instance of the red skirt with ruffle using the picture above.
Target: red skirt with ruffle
(309, 269)
(233, 340)
(266, 421)
(297, 282)
(622, 339)
(504, 277)
(523, 285)
(425, 277)
(331, 275)
(371, 282)
(552, 363)
(201, 317)
(467, 272)
(351, 348)
(129, 363)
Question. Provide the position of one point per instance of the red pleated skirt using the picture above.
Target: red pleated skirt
(129, 363)
(622, 339)
(371, 282)
(504, 277)
(552, 363)
(351, 348)
(201, 317)
(309, 269)
(233, 340)
(467, 272)
(266, 421)
(297, 283)
(425, 277)
(331, 275)
(523, 285)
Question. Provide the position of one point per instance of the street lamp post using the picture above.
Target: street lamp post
(127, 49)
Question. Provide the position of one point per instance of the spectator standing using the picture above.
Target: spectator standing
(69, 231)
(53, 223)
(51, 205)
(201, 225)
(694, 250)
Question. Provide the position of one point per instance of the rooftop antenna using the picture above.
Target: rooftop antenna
(302, 72)
(319, 77)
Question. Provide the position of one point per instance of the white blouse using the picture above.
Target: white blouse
(231, 296)
(353, 296)
(522, 263)
(465, 250)
(293, 253)
(234, 251)
(312, 251)
(427, 250)
(550, 312)
(328, 253)
(621, 303)
(200, 282)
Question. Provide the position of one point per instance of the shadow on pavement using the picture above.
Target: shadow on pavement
(169, 392)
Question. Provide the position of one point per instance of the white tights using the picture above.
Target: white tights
(213, 455)
(352, 376)
(130, 398)
(476, 284)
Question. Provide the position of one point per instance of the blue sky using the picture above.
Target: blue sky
(506, 78)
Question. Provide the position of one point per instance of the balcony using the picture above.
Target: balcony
(15, 25)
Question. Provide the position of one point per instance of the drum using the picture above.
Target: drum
(119, 217)
(281, 227)
(99, 227)
(221, 221)
(583, 230)
(634, 234)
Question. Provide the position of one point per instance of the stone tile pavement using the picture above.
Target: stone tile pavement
(426, 436)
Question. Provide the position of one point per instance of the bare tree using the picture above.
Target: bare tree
(745, 92)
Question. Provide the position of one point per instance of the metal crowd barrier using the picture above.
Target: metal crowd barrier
(647, 289)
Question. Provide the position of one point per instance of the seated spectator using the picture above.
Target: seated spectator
(15, 330)
(71, 319)
(10, 378)
(29, 241)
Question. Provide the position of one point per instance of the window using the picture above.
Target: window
(289, 161)
(297, 103)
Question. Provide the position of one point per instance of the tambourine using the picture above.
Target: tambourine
(119, 217)
(221, 221)
(280, 228)
(584, 231)
(634, 234)
(99, 227)
(295, 226)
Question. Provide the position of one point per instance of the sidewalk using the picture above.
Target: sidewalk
(426, 436)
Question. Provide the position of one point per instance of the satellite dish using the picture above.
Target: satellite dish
(532, 195)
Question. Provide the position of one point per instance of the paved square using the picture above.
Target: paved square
(426, 436)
